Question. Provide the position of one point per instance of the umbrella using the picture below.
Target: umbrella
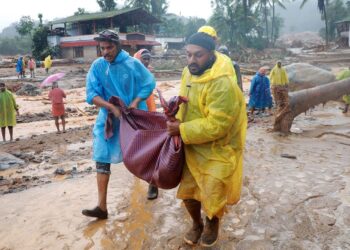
(52, 78)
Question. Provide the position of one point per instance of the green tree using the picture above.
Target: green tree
(336, 11)
(40, 16)
(40, 44)
(275, 22)
(25, 25)
(322, 7)
(107, 5)
(80, 11)
(145, 4)
(192, 25)
(159, 8)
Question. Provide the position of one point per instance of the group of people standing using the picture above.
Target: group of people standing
(260, 90)
(23, 63)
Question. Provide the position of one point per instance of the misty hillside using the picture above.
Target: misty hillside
(9, 32)
(298, 20)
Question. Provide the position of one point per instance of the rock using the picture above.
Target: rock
(9, 161)
(60, 171)
(303, 76)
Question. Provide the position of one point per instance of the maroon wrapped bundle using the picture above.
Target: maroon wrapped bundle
(149, 152)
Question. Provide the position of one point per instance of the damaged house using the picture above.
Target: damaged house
(74, 35)
(343, 30)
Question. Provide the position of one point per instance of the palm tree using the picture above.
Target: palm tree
(273, 4)
(322, 6)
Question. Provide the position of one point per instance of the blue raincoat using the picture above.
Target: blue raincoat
(260, 94)
(126, 78)
(19, 65)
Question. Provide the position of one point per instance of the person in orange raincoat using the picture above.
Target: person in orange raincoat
(56, 96)
(144, 55)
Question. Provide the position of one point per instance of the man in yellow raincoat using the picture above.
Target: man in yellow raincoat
(47, 63)
(8, 109)
(279, 88)
(213, 127)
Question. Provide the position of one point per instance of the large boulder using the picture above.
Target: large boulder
(303, 76)
(8, 161)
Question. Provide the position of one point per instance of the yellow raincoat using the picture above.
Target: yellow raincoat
(213, 129)
(8, 109)
(343, 75)
(278, 76)
(47, 62)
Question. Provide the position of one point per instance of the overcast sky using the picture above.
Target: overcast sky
(12, 10)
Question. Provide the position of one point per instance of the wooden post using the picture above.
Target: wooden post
(94, 26)
(111, 23)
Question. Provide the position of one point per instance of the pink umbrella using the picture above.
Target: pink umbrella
(52, 78)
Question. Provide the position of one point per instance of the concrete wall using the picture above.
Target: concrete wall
(67, 53)
(90, 52)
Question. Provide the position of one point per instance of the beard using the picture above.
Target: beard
(197, 70)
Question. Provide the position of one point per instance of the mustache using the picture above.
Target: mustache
(193, 65)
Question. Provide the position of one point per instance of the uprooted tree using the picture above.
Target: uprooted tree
(303, 100)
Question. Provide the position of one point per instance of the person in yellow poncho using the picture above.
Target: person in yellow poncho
(346, 98)
(47, 63)
(213, 127)
(279, 88)
(8, 109)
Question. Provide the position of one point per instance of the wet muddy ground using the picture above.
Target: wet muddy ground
(296, 192)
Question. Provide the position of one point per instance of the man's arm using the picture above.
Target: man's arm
(99, 102)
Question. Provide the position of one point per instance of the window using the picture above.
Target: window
(78, 52)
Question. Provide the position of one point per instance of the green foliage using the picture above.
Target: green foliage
(14, 46)
(243, 23)
(336, 11)
(40, 44)
(40, 16)
(80, 11)
(107, 5)
(192, 25)
(25, 25)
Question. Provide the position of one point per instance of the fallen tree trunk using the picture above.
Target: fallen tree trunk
(303, 100)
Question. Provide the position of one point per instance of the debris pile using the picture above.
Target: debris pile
(305, 40)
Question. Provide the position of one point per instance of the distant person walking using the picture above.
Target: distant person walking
(224, 50)
(8, 110)
(24, 66)
(144, 55)
(32, 66)
(259, 93)
(47, 63)
(19, 67)
(56, 96)
(279, 86)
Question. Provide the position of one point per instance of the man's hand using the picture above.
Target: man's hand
(114, 110)
(17, 112)
(135, 103)
(173, 127)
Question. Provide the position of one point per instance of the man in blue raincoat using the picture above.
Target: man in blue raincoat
(114, 74)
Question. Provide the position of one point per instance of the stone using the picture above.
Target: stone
(304, 75)
(9, 161)
(60, 171)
